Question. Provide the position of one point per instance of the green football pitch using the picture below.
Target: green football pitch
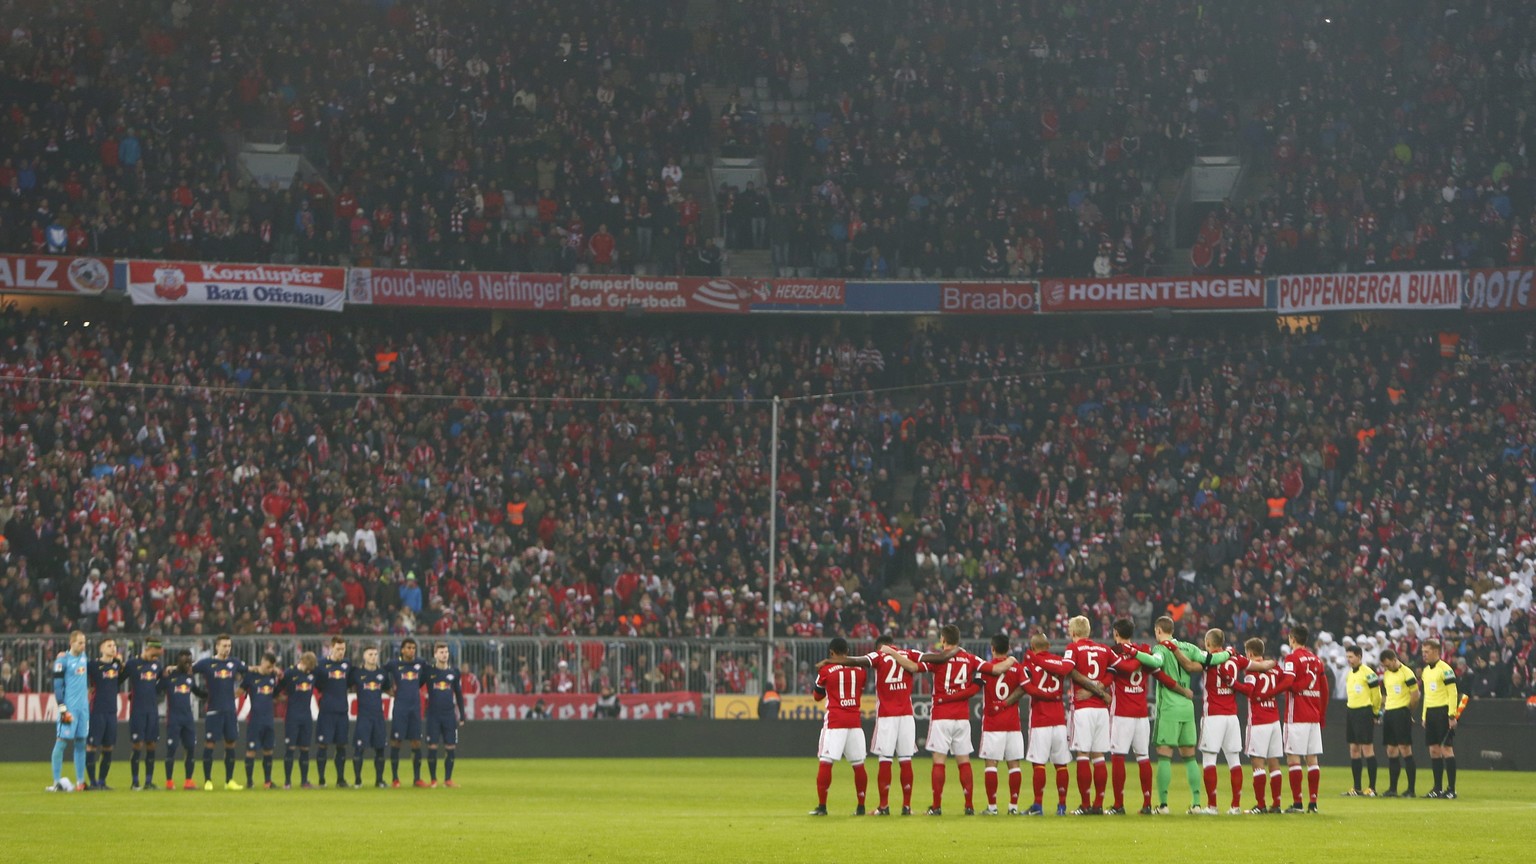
(717, 810)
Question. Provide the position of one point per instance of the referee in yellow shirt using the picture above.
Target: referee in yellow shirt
(1401, 697)
(1440, 712)
(1362, 687)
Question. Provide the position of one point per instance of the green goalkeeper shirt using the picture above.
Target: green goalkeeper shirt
(1170, 703)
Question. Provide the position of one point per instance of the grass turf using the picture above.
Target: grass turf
(717, 810)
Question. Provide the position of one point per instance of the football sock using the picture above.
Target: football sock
(1100, 780)
(106, 766)
(1039, 784)
(860, 782)
(357, 768)
(990, 775)
(1411, 770)
(416, 762)
(341, 765)
(1437, 769)
(1210, 785)
(322, 757)
(378, 766)
(1084, 780)
(303, 766)
(250, 770)
(1235, 774)
(1314, 782)
(79, 760)
(1295, 772)
(967, 783)
(1370, 772)
(288, 768)
(266, 767)
(1192, 774)
(1164, 779)
(1356, 766)
(823, 779)
(1274, 787)
(394, 763)
(208, 764)
(1394, 770)
(58, 760)
(90, 766)
(938, 784)
(1015, 785)
(1144, 768)
(1450, 773)
(432, 763)
(1061, 785)
(883, 782)
(170, 764)
(149, 765)
(1118, 768)
(906, 782)
(133, 766)
(229, 765)
(1259, 776)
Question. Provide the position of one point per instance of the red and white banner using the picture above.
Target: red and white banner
(1132, 294)
(173, 283)
(1342, 292)
(48, 274)
(447, 289)
(800, 292)
(1507, 290)
(989, 298)
(710, 294)
(41, 707)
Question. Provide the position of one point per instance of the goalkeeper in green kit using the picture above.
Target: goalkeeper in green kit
(1176, 725)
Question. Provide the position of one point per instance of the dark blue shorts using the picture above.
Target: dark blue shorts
(331, 729)
(103, 730)
(260, 736)
(144, 727)
(181, 730)
(369, 733)
(298, 732)
(442, 730)
(221, 726)
(406, 727)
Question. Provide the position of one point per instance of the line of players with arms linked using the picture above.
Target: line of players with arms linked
(1092, 701)
(428, 701)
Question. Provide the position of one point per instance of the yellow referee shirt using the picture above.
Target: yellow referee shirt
(1399, 686)
(1439, 688)
(1363, 687)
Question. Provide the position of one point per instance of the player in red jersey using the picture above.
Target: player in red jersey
(949, 730)
(1302, 675)
(895, 727)
(1002, 735)
(1264, 739)
(1219, 730)
(1130, 725)
(842, 732)
(1089, 736)
(1047, 720)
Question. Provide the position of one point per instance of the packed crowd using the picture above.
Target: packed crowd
(298, 478)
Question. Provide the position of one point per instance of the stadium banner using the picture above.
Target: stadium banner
(775, 295)
(1507, 290)
(175, 283)
(1137, 294)
(989, 298)
(900, 298)
(51, 274)
(706, 294)
(454, 290)
(1343, 292)
(42, 708)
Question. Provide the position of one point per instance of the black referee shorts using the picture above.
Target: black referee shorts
(1360, 726)
(1397, 727)
(1437, 727)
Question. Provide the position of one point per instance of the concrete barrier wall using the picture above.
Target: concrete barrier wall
(1504, 727)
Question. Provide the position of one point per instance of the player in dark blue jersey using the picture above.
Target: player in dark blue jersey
(298, 687)
(370, 683)
(221, 675)
(445, 712)
(105, 675)
(260, 688)
(180, 722)
(141, 675)
(331, 681)
(405, 713)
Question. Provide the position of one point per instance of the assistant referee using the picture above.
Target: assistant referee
(1440, 711)
(1363, 688)
(1399, 700)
